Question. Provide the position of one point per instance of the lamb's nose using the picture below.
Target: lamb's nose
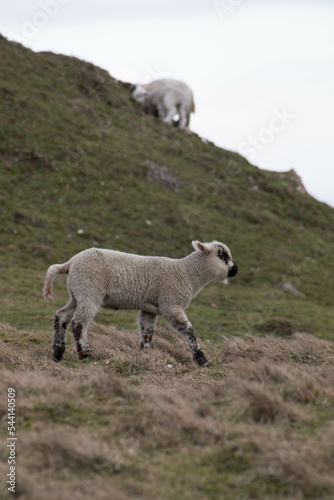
(233, 271)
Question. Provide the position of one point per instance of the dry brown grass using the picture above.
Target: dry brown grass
(125, 423)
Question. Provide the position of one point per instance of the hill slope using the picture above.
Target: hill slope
(81, 166)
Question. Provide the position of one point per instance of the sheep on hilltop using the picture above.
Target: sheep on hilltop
(166, 98)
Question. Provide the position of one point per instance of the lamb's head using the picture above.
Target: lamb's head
(219, 257)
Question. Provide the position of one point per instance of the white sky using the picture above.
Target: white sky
(248, 61)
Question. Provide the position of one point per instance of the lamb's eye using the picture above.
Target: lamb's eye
(222, 254)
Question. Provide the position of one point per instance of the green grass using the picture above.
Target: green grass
(73, 158)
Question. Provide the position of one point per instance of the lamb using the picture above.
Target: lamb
(153, 285)
(181, 93)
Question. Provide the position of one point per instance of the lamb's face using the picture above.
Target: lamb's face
(220, 256)
(223, 253)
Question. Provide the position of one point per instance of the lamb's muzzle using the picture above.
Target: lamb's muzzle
(233, 271)
(156, 286)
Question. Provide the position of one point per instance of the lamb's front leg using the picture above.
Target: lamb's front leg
(147, 322)
(178, 320)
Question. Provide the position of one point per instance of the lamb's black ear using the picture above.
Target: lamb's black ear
(201, 247)
(132, 88)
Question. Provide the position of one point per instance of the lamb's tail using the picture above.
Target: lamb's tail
(192, 109)
(50, 276)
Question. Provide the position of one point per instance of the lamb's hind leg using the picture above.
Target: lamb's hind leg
(82, 318)
(62, 318)
(184, 117)
(178, 320)
(147, 322)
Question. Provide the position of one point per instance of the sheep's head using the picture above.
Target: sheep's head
(220, 258)
(138, 92)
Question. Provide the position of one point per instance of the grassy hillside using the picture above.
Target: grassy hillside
(76, 171)
(82, 166)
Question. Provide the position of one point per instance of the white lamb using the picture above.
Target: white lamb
(154, 285)
(166, 98)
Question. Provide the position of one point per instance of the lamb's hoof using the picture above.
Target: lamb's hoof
(84, 355)
(200, 359)
(57, 354)
(144, 347)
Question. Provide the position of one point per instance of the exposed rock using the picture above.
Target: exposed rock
(252, 183)
(290, 288)
(296, 179)
(162, 175)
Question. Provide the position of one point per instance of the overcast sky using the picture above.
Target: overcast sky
(262, 71)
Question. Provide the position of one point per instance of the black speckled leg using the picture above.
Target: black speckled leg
(147, 322)
(179, 321)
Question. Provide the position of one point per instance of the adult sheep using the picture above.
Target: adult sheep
(166, 103)
(142, 91)
(154, 285)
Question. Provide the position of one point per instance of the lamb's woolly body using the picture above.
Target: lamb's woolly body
(154, 285)
(151, 282)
